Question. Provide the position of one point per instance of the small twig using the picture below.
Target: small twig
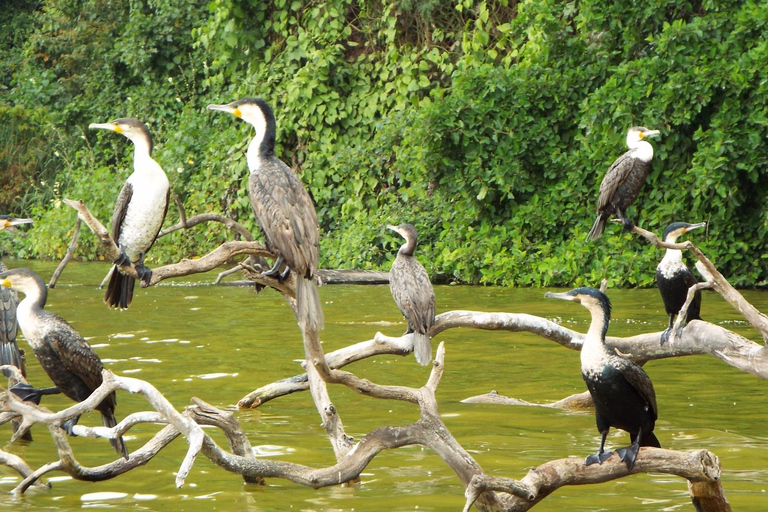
(67, 257)
(209, 217)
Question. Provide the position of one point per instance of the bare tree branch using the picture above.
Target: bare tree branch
(68, 256)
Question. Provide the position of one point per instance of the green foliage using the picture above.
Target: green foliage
(487, 124)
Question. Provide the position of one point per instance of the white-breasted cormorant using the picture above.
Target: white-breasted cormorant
(413, 293)
(9, 299)
(284, 209)
(623, 181)
(65, 356)
(621, 391)
(674, 279)
(139, 211)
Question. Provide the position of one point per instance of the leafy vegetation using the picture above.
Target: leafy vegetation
(487, 124)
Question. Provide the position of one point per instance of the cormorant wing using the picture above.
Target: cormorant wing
(121, 206)
(77, 356)
(9, 299)
(413, 293)
(641, 382)
(616, 175)
(160, 227)
(286, 216)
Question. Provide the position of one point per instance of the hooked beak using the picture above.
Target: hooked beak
(650, 133)
(562, 296)
(229, 109)
(694, 226)
(7, 223)
(106, 126)
(396, 229)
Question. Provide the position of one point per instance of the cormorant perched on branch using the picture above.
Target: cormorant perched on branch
(139, 212)
(413, 293)
(283, 209)
(65, 356)
(674, 279)
(621, 391)
(623, 181)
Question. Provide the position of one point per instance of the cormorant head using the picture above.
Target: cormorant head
(134, 129)
(639, 133)
(23, 281)
(408, 232)
(677, 229)
(591, 298)
(7, 222)
(257, 113)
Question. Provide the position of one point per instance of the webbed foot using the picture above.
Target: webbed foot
(628, 225)
(597, 458)
(26, 392)
(145, 273)
(123, 260)
(69, 425)
(629, 455)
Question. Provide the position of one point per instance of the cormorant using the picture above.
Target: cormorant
(139, 211)
(413, 293)
(674, 279)
(621, 391)
(283, 208)
(65, 356)
(623, 181)
(9, 299)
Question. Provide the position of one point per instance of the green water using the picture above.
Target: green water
(219, 343)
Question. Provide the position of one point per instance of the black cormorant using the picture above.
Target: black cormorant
(621, 391)
(674, 279)
(65, 356)
(139, 211)
(623, 181)
(413, 293)
(284, 209)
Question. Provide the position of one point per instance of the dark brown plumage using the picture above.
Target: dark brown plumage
(65, 356)
(413, 293)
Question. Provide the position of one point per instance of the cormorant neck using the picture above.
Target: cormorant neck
(598, 328)
(642, 150)
(142, 147)
(264, 141)
(408, 247)
(34, 297)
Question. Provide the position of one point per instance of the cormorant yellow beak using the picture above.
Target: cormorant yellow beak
(107, 126)
(229, 109)
(5, 283)
(649, 133)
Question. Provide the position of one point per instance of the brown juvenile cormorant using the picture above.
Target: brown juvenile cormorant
(674, 279)
(65, 356)
(284, 209)
(623, 181)
(139, 211)
(413, 293)
(621, 391)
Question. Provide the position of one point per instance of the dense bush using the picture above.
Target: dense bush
(488, 125)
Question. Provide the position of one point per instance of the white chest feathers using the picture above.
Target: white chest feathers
(671, 264)
(145, 212)
(643, 151)
(594, 356)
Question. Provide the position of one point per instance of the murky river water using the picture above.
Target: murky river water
(219, 343)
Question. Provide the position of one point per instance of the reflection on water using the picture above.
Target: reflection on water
(219, 343)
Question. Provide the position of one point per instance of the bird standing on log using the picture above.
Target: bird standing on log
(621, 391)
(283, 208)
(65, 356)
(623, 181)
(9, 300)
(674, 279)
(139, 211)
(413, 293)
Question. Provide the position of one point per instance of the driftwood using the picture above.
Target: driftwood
(701, 469)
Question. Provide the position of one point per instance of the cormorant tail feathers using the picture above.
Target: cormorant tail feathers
(649, 439)
(422, 348)
(309, 308)
(119, 290)
(597, 228)
(108, 419)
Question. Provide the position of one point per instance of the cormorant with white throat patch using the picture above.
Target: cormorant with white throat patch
(674, 279)
(623, 181)
(413, 293)
(65, 356)
(621, 391)
(139, 211)
(283, 208)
